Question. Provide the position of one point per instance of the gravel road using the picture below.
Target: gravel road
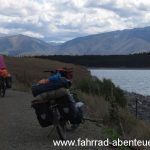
(19, 129)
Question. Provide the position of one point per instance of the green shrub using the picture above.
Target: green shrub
(105, 87)
(89, 85)
(119, 97)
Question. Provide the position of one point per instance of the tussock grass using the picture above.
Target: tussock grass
(26, 71)
(133, 127)
(97, 106)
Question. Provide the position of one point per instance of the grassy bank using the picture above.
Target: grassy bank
(26, 71)
(104, 100)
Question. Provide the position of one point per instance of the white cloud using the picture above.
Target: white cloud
(32, 34)
(60, 20)
(4, 31)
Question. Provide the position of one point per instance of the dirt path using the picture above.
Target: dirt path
(19, 129)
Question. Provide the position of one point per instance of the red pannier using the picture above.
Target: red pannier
(66, 72)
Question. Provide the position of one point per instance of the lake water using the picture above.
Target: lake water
(130, 80)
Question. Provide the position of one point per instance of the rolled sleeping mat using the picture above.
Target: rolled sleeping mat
(38, 89)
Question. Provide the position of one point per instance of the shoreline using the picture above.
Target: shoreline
(143, 105)
(116, 68)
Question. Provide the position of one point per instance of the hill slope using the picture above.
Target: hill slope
(111, 43)
(24, 45)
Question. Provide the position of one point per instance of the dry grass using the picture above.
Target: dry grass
(26, 71)
(97, 106)
(133, 127)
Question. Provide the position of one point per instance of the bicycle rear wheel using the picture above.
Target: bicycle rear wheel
(2, 88)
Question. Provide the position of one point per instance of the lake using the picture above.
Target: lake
(130, 80)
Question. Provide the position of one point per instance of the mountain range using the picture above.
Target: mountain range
(120, 42)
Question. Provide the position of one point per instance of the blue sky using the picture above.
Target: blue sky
(62, 20)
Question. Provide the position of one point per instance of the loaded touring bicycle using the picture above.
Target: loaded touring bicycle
(55, 105)
(5, 78)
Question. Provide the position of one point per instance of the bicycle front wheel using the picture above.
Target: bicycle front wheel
(61, 130)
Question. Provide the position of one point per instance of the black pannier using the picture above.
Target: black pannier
(43, 113)
(68, 108)
(74, 113)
